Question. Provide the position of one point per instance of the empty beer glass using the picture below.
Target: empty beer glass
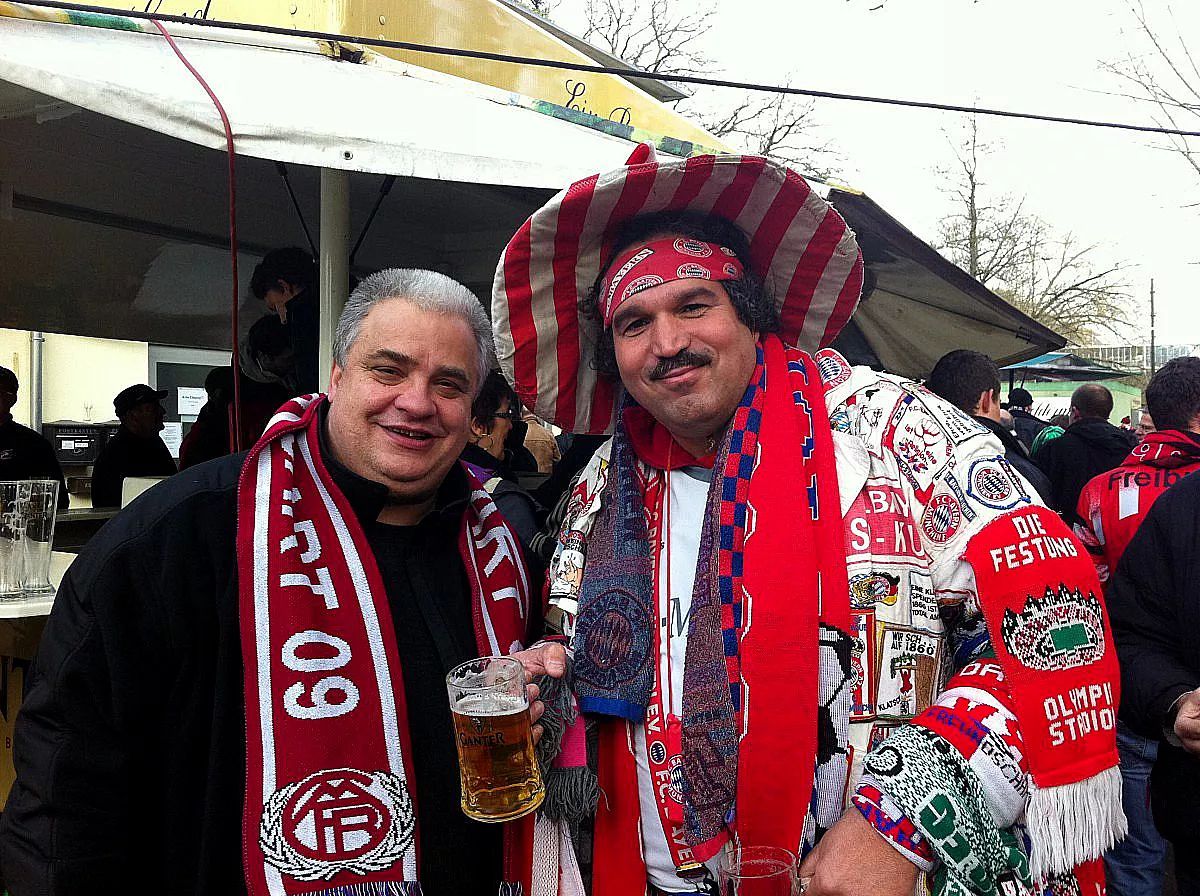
(40, 511)
(497, 766)
(14, 499)
(757, 871)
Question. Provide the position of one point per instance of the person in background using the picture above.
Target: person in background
(970, 381)
(1056, 427)
(269, 375)
(25, 454)
(1154, 605)
(208, 436)
(1111, 508)
(1145, 424)
(493, 413)
(286, 280)
(267, 378)
(136, 449)
(1090, 446)
(1020, 405)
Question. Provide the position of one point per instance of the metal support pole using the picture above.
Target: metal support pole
(1152, 359)
(37, 339)
(335, 264)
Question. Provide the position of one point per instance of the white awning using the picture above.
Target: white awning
(291, 102)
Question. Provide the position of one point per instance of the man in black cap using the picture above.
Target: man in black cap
(1028, 426)
(136, 449)
(24, 454)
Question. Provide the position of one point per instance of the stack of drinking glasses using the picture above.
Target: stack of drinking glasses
(27, 512)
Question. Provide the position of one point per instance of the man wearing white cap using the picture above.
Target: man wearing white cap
(794, 588)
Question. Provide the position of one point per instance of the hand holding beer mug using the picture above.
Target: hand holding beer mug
(496, 762)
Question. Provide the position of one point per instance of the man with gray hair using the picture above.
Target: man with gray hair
(241, 686)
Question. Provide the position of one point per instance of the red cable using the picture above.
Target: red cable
(236, 433)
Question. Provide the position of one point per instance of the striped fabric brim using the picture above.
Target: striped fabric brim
(803, 250)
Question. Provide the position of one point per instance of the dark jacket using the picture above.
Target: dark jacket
(25, 454)
(1088, 448)
(304, 323)
(518, 507)
(130, 748)
(127, 455)
(1018, 457)
(1027, 426)
(1155, 610)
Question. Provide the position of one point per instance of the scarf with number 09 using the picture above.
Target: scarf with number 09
(329, 806)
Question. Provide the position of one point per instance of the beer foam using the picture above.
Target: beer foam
(482, 705)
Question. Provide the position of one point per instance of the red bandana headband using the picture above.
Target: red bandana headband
(663, 261)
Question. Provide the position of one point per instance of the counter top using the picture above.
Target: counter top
(38, 605)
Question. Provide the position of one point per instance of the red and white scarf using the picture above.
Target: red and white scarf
(329, 803)
(782, 565)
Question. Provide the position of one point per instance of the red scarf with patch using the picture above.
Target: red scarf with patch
(329, 801)
(1045, 613)
(780, 546)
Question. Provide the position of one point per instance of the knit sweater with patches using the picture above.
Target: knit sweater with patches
(918, 479)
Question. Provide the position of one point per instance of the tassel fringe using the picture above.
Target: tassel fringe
(380, 888)
(1074, 823)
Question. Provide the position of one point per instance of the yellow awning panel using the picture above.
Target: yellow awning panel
(485, 25)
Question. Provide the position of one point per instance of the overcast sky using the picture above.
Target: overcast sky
(1115, 188)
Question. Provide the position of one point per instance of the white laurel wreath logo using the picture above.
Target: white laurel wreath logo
(284, 857)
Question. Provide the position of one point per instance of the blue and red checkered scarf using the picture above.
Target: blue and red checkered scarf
(771, 543)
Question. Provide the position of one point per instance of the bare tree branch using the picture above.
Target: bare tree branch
(1167, 77)
(654, 35)
(668, 36)
(1050, 277)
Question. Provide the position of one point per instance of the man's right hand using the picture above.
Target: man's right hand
(1187, 722)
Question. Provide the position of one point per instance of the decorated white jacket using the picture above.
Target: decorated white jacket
(918, 478)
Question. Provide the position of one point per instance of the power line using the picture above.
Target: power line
(565, 65)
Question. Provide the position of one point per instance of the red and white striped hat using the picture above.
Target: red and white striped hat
(800, 247)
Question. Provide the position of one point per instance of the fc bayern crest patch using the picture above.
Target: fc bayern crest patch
(941, 519)
(337, 820)
(992, 483)
(833, 368)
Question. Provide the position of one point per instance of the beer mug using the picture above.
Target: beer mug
(496, 762)
(758, 871)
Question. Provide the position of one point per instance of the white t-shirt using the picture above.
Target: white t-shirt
(689, 494)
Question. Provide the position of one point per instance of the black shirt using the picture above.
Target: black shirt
(429, 597)
(26, 455)
(127, 455)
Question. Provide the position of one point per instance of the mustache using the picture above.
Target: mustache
(685, 358)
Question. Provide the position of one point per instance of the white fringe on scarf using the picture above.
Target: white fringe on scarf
(1074, 823)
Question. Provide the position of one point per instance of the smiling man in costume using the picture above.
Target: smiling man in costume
(817, 608)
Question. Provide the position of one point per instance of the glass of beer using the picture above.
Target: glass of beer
(496, 763)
